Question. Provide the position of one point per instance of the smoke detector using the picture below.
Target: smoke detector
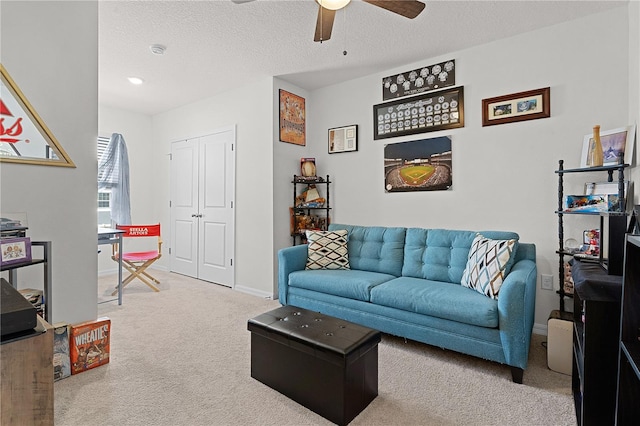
(157, 49)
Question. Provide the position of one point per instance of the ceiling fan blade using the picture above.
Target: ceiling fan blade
(241, 1)
(324, 24)
(407, 8)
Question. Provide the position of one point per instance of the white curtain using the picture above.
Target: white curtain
(113, 174)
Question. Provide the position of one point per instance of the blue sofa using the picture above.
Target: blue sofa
(406, 282)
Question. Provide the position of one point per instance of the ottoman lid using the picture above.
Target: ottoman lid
(289, 324)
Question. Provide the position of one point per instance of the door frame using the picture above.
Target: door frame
(230, 173)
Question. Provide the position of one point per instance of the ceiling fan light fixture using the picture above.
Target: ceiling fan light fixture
(333, 4)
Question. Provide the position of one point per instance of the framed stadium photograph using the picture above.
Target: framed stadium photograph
(343, 139)
(419, 114)
(516, 107)
(421, 165)
(292, 118)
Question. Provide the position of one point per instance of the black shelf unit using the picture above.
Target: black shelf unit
(596, 331)
(46, 262)
(320, 215)
(628, 392)
(615, 230)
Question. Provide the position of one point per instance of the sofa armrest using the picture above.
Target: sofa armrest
(516, 310)
(290, 259)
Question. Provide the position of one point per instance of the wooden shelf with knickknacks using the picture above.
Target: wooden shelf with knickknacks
(310, 210)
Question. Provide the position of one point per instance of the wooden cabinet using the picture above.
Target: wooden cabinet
(26, 378)
(628, 407)
(595, 343)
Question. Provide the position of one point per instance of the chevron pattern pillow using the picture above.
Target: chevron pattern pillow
(327, 250)
(486, 264)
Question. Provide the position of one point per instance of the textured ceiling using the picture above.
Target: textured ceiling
(216, 45)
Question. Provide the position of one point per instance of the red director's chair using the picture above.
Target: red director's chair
(137, 262)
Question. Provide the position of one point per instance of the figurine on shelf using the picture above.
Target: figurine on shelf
(592, 242)
(308, 168)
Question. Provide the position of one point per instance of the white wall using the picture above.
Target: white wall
(503, 175)
(50, 50)
(250, 108)
(137, 131)
(286, 163)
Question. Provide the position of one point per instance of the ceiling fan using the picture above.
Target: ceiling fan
(327, 12)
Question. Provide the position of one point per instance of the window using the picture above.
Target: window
(104, 195)
(103, 143)
(104, 199)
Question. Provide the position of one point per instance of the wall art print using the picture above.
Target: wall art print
(419, 114)
(343, 139)
(520, 106)
(615, 143)
(419, 80)
(421, 165)
(292, 118)
(24, 136)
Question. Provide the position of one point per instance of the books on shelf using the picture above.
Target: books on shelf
(89, 344)
(36, 298)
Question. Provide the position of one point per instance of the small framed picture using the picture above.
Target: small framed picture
(343, 139)
(15, 250)
(516, 107)
(615, 143)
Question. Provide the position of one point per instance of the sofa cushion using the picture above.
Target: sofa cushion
(486, 267)
(351, 284)
(375, 249)
(506, 235)
(436, 254)
(327, 250)
(438, 299)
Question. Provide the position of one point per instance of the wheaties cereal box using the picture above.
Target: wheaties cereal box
(61, 358)
(90, 344)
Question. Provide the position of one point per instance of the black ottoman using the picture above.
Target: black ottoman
(326, 364)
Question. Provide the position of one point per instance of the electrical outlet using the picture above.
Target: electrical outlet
(546, 282)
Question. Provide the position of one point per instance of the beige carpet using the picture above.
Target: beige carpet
(182, 357)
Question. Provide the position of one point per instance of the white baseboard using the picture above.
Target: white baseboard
(104, 272)
(540, 329)
(253, 292)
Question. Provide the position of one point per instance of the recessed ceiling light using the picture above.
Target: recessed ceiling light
(135, 80)
(157, 49)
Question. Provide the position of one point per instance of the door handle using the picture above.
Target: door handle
(196, 215)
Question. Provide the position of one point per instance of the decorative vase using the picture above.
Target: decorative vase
(597, 156)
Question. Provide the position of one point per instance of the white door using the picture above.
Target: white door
(216, 228)
(184, 207)
(204, 237)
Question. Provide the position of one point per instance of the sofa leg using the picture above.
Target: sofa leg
(516, 374)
